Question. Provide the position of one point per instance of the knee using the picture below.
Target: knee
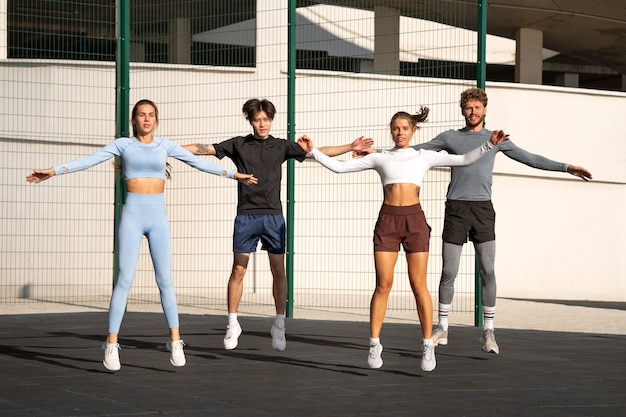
(124, 282)
(383, 289)
(238, 272)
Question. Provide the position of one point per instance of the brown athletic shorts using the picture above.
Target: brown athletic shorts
(404, 225)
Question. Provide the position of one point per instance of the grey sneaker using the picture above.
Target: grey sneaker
(428, 357)
(440, 336)
(177, 358)
(373, 359)
(279, 342)
(231, 340)
(111, 356)
(488, 341)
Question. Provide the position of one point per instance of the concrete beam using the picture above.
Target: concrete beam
(386, 40)
(528, 56)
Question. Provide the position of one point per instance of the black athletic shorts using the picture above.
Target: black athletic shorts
(473, 219)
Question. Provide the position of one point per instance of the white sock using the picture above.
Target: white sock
(232, 319)
(374, 341)
(427, 342)
(280, 321)
(443, 315)
(488, 315)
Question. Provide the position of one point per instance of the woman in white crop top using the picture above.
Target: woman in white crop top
(144, 161)
(401, 220)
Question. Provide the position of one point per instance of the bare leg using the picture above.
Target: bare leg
(418, 263)
(174, 334)
(235, 282)
(385, 263)
(277, 266)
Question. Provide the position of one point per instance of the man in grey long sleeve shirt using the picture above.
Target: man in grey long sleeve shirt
(469, 211)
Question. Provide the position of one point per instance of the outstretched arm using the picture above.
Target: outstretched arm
(40, 175)
(247, 179)
(358, 145)
(541, 162)
(200, 149)
(444, 159)
(579, 172)
(351, 165)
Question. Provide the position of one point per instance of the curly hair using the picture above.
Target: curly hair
(473, 94)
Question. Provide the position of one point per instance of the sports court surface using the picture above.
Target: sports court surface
(50, 366)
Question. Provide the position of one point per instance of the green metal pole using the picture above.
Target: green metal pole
(122, 87)
(481, 73)
(481, 78)
(291, 93)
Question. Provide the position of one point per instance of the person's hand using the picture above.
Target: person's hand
(247, 179)
(579, 172)
(40, 175)
(497, 137)
(363, 152)
(305, 143)
(360, 144)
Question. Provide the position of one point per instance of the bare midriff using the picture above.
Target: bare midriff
(145, 186)
(401, 194)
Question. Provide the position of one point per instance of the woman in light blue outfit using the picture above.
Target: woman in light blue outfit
(144, 163)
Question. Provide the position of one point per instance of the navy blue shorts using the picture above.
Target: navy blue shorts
(268, 228)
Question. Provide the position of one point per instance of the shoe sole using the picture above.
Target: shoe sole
(111, 369)
(279, 348)
(496, 351)
(176, 364)
(484, 348)
(441, 342)
(426, 369)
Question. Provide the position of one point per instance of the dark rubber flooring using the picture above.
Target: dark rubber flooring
(50, 365)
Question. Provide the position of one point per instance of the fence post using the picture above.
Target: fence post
(291, 99)
(481, 77)
(122, 87)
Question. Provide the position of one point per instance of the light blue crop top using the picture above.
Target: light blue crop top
(143, 160)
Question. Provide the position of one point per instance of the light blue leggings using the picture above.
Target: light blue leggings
(143, 215)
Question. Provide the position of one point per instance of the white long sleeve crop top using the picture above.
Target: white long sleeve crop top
(401, 165)
(143, 160)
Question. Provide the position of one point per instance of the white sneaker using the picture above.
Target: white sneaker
(374, 360)
(279, 342)
(440, 336)
(111, 356)
(428, 357)
(488, 341)
(177, 358)
(231, 340)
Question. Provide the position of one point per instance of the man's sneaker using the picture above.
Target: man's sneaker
(177, 358)
(373, 359)
(440, 336)
(111, 356)
(488, 341)
(231, 340)
(428, 357)
(279, 342)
